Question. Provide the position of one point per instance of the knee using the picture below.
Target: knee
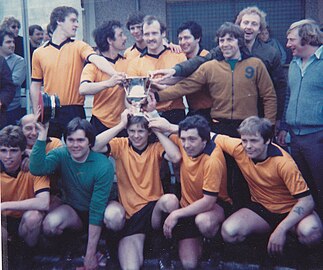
(32, 220)
(230, 232)
(310, 235)
(51, 225)
(207, 226)
(114, 218)
(191, 263)
(169, 202)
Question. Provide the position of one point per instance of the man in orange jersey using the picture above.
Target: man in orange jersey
(24, 197)
(108, 103)
(134, 25)
(189, 38)
(280, 198)
(158, 56)
(138, 163)
(58, 64)
(30, 130)
(204, 200)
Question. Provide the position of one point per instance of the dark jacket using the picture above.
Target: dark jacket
(7, 87)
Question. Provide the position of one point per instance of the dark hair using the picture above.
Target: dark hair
(135, 18)
(137, 119)
(33, 27)
(198, 122)
(49, 30)
(233, 30)
(194, 27)
(59, 14)
(103, 32)
(12, 136)
(254, 124)
(149, 19)
(78, 123)
(4, 33)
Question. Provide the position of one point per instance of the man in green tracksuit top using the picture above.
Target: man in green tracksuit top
(86, 179)
(235, 82)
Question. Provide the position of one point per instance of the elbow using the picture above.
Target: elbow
(82, 91)
(176, 158)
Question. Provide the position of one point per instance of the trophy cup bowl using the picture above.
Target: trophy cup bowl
(49, 107)
(137, 89)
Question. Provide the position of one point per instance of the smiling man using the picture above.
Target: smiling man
(58, 65)
(304, 105)
(252, 21)
(235, 83)
(155, 57)
(108, 91)
(86, 180)
(280, 198)
(24, 197)
(138, 162)
(204, 200)
(189, 38)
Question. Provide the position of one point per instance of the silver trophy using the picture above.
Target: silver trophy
(137, 90)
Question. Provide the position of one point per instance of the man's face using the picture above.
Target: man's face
(14, 28)
(229, 47)
(136, 32)
(250, 24)
(10, 157)
(37, 36)
(138, 136)
(255, 146)
(119, 44)
(187, 42)
(30, 130)
(153, 37)
(294, 43)
(69, 25)
(78, 145)
(8, 46)
(192, 142)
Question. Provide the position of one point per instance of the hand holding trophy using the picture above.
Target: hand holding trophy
(137, 90)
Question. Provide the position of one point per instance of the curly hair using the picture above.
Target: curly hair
(103, 32)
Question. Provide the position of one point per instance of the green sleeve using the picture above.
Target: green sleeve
(40, 164)
(101, 192)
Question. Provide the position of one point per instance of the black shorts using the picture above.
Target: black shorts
(271, 218)
(57, 126)
(140, 222)
(84, 217)
(186, 227)
(174, 116)
(99, 127)
(11, 224)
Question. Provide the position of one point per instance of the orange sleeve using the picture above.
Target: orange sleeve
(41, 182)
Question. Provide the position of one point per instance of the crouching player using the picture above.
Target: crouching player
(204, 202)
(138, 161)
(24, 197)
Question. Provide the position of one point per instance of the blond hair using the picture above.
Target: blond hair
(253, 10)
